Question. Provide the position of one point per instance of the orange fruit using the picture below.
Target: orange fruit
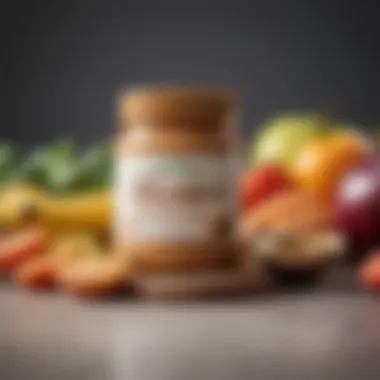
(322, 164)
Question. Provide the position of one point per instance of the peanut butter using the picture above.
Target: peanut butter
(176, 176)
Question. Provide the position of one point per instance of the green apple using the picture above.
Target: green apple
(281, 138)
(373, 139)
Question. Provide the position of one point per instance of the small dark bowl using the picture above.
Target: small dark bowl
(297, 276)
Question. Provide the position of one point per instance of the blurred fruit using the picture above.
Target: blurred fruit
(369, 273)
(94, 277)
(357, 207)
(282, 138)
(320, 165)
(23, 205)
(21, 246)
(92, 211)
(19, 205)
(262, 183)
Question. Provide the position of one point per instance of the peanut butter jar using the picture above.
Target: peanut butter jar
(176, 202)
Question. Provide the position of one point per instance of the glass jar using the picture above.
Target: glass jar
(176, 179)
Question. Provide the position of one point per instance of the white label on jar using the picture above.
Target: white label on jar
(175, 199)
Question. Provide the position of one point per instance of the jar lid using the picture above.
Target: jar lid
(176, 105)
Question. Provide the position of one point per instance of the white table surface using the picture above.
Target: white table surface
(322, 335)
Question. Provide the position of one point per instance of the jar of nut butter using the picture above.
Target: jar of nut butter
(176, 179)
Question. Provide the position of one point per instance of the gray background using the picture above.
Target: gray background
(63, 62)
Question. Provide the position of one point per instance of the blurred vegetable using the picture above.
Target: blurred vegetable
(261, 184)
(63, 149)
(36, 273)
(96, 166)
(58, 168)
(42, 271)
(65, 178)
(31, 169)
(21, 246)
(40, 165)
(9, 158)
(61, 168)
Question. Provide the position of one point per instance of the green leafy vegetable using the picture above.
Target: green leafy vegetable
(9, 158)
(96, 166)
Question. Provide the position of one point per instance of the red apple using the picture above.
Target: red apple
(357, 207)
(261, 184)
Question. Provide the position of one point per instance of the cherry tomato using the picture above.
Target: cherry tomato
(369, 273)
(260, 184)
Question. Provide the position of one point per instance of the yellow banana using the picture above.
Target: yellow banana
(77, 212)
(19, 205)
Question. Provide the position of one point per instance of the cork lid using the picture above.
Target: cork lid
(176, 105)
